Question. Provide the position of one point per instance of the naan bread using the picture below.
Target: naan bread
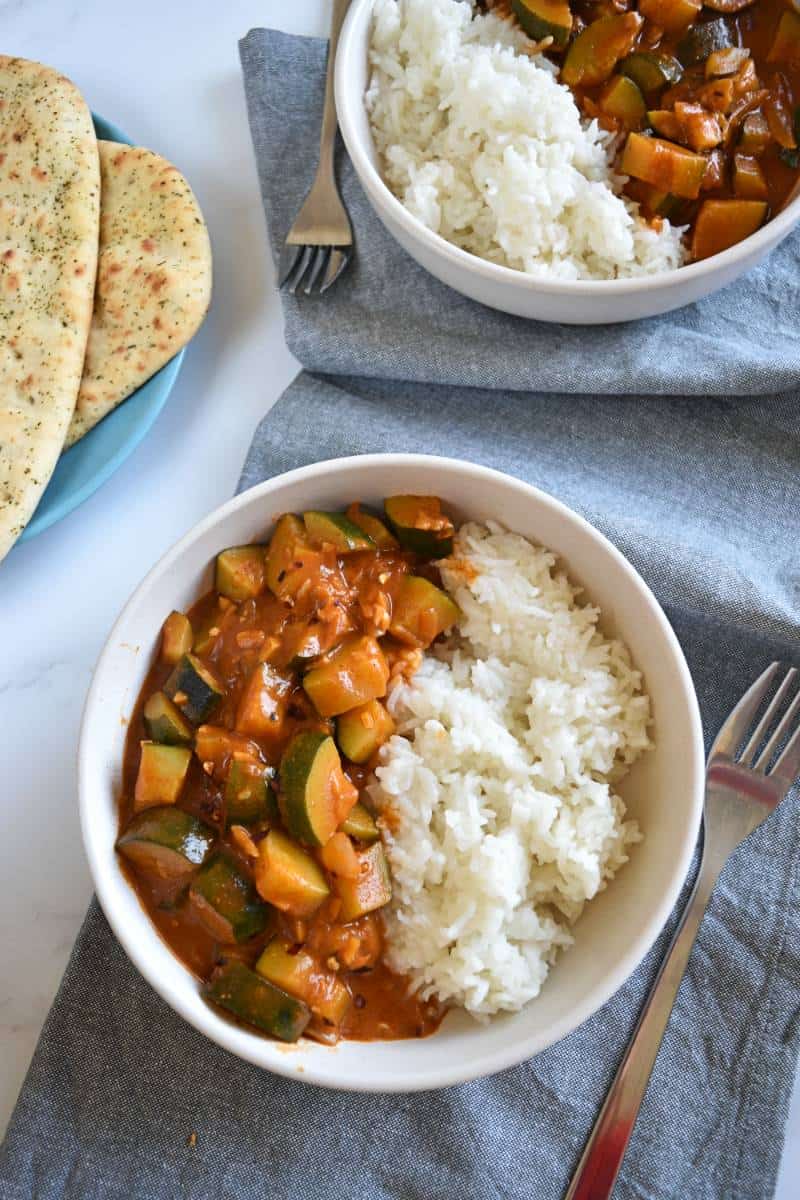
(49, 225)
(153, 279)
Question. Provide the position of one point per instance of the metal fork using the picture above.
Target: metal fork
(320, 243)
(746, 778)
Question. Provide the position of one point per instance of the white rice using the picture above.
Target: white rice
(482, 144)
(498, 810)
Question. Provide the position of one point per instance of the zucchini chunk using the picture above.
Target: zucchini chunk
(288, 877)
(315, 795)
(217, 745)
(372, 890)
(337, 530)
(167, 844)
(290, 559)
(162, 771)
(338, 857)
(176, 638)
(263, 704)
(420, 525)
(241, 572)
(165, 723)
(257, 1002)
(748, 178)
(668, 167)
(249, 798)
(722, 63)
(373, 526)
(204, 639)
(363, 730)
(621, 99)
(755, 135)
(360, 825)
(298, 974)
(722, 223)
(356, 672)
(194, 688)
(701, 40)
(598, 48)
(545, 18)
(651, 71)
(226, 901)
(421, 612)
(673, 16)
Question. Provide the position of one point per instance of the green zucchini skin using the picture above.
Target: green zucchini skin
(176, 637)
(165, 722)
(167, 843)
(221, 884)
(651, 71)
(701, 40)
(544, 18)
(338, 530)
(288, 877)
(161, 775)
(296, 973)
(425, 542)
(372, 890)
(240, 572)
(359, 824)
(358, 741)
(417, 599)
(306, 803)
(194, 689)
(257, 1002)
(374, 527)
(289, 535)
(249, 797)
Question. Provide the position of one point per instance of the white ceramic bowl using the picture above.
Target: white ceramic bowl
(574, 303)
(664, 791)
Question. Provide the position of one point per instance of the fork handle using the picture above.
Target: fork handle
(601, 1160)
(327, 139)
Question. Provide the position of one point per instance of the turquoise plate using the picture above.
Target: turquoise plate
(87, 465)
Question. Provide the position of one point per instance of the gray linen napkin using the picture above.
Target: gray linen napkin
(697, 495)
(390, 318)
(702, 497)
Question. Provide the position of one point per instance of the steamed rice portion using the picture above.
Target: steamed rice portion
(498, 807)
(479, 141)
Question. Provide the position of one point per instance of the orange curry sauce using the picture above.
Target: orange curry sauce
(260, 638)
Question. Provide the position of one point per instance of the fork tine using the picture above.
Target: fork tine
(787, 768)
(764, 759)
(289, 257)
(297, 275)
(769, 716)
(733, 731)
(338, 261)
(317, 267)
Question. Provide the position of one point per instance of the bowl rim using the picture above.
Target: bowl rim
(757, 243)
(105, 870)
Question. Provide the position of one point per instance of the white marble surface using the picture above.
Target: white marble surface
(168, 73)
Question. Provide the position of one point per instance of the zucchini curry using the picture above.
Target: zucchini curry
(702, 93)
(244, 825)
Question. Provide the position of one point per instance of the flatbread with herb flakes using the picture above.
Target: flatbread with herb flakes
(49, 227)
(153, 279)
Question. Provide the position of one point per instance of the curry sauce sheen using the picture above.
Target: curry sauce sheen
(263, 655)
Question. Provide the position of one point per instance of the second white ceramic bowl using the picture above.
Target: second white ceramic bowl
(664, 791)
(573, 303)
